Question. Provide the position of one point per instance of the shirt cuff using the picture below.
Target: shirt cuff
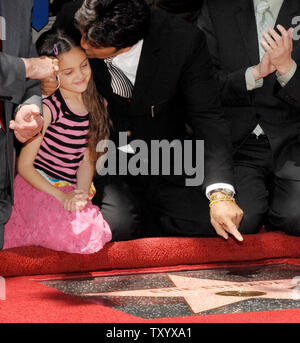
(251, 82)
(214, 186)
(285, 78)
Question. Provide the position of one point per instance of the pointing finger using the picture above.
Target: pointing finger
(232, 229)
(219, 229)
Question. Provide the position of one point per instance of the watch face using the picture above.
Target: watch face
(223, 191)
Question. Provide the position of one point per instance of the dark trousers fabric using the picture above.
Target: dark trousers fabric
(147, 206)
(5, 198)
(265, 199)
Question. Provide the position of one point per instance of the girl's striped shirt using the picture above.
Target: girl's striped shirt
(65, 140)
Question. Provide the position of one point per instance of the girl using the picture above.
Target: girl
(53, 188)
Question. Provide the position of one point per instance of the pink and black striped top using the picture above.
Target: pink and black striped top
(65, 140)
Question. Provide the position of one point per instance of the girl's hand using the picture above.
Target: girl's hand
(81, 199)
(74, 201)
(66, 201)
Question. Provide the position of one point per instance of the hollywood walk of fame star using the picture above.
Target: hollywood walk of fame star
(204, 294)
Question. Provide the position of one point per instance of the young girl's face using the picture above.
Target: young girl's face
(75, 71)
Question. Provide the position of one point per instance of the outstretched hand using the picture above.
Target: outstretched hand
(28, 122)
(225, 218)
(39, 68)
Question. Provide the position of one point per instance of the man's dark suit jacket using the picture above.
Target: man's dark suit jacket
(231, 32)
(15, 89)
(174, 84)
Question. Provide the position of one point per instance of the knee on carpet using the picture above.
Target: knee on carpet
(289, 222)
(251, 223)
(124, 226)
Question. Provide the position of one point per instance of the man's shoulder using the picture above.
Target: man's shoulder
(18, 6)
(223, 4)
(170, 21)
(173, 27)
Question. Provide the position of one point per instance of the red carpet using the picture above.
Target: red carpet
(29, 301)
(150, 252)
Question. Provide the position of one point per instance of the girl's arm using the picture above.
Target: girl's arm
(26, 159)
(85, 174)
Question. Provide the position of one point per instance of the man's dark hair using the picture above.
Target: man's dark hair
(113, 23)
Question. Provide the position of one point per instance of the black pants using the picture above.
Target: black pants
(5, 198)
(265, 198)
(147, 206)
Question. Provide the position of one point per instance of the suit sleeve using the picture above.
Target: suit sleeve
(14, 85)
(290, 92)
(233, 86)
(12, 75)
(204, 113)
(32, 94)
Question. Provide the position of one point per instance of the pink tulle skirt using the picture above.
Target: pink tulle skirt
(39, 219)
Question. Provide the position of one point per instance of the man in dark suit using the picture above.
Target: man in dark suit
(19, 72)
(187, 9)
(256, 64)
(167, 64)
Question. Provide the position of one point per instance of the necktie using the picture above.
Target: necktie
(120, 83)
(262, 15)
(40, 14)
(1, 104)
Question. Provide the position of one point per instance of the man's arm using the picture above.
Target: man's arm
(288, 73)
(204, 113)
(19, 79)
(205, 116)
(233, 87)
(12, 76)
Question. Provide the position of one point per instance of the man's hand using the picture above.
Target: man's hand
(279, 47)
(264, 68)
(39, 68)
(225, 218)
(49, 86)
(28, 122)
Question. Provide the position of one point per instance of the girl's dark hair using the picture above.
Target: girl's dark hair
(113, 23)
(52, 42)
